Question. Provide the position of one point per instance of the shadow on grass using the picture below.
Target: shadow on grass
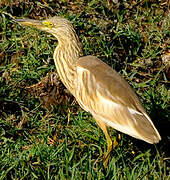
(162, 123)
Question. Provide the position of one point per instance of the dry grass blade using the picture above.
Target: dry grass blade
(51, 91)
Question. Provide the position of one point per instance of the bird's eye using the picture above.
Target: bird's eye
(48, 24)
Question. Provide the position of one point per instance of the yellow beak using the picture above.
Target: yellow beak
(30, 22)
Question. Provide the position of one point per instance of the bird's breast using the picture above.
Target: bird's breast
(65, 70)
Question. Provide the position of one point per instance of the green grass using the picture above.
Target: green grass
(132, 38)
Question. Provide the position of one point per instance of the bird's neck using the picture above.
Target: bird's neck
(65, 56)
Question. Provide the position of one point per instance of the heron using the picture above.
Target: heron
(98, 88)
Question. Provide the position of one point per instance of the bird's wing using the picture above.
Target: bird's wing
(108, 97)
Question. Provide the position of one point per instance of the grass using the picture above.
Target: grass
(63, 143)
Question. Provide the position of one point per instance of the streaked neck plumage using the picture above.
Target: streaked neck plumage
(66, 55)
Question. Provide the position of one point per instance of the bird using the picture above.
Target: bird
(98, 88)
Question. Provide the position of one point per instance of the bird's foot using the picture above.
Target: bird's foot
(110, 147)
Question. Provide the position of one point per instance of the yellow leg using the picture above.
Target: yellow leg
(102, 125)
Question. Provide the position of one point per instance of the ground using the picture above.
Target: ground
(62, 141)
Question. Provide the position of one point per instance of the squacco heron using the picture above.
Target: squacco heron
(97, 87)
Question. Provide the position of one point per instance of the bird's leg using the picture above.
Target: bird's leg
(102, 125)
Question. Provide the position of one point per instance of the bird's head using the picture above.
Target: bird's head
(58, 26)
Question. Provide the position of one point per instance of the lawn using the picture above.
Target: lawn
(53, 138)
